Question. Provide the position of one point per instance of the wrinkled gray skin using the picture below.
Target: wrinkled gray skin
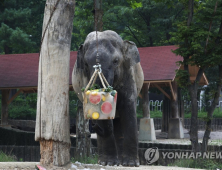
(117, 139)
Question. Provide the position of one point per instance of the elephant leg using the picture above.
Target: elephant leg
(118, 138)
(105, 142)
(130, 132)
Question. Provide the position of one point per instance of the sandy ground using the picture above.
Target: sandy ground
(79, 166)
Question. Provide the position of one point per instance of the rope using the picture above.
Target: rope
(101, 80)
(87, 87)
(94, 80)
(105, 79)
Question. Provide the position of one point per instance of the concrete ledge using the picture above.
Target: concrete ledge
(31, 166)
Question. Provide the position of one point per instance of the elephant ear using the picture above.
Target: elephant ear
(131, 53)
(80, 61)
(79, 79)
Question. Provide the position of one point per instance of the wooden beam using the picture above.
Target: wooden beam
(167, 95)
(13, 97)
(22, 87)
(157, 81)
(172, 92)
(148, 86)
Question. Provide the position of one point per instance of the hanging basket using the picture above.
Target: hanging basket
(99, 103)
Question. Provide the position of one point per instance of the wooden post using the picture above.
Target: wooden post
(4, 115)
(174, 101)
(98, 16)
(83, 140)
(52, 118)
(145, 100)
(166, 114)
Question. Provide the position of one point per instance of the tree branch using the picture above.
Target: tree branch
(134, 36)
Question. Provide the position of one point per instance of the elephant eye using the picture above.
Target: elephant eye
(115, 61)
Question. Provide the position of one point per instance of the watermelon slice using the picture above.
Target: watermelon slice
(40, 167)
(106, 107)
(115, 98)
(94, 97)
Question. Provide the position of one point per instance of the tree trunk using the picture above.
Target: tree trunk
(52, 118)
(145, 99)
(83, 140)
(194, 118)
(210, 112)
(4, 115)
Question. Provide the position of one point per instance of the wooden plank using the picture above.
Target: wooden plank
(157, 81)
(148, 86)
(172, 91)
(13, 97)
(167, 95)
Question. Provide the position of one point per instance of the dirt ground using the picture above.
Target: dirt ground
(79, 166)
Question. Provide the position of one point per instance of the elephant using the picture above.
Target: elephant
(117, 139)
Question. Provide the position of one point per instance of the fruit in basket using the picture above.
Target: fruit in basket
(106, 107)
(87, 92)
(115, 98)
(103, 98)
(94, 97)
(95, 115)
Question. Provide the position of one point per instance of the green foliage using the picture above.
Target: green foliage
(83, 23)
(192, 39)
(153, 114)
(109, 89)
(197, 163)
(134, 4)
(6, 158)
(93, 159)
(23, 107)
(21, 26)
(73, 101)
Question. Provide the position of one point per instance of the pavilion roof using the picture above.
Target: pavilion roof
(21, 70)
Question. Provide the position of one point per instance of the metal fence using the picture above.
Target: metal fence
(201, 105)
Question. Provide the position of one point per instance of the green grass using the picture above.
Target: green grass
(153, 114)
(202, 114)
(6, 158)
(93, 159)
(199, 163)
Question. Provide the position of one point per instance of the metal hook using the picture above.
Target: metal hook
(98, 67)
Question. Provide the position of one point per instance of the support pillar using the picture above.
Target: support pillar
(4, 113)
(147, 129)
(175, 130)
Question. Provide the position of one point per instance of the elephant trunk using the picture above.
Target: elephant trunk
(103, 128)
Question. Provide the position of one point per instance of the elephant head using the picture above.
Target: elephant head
(115, 56)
